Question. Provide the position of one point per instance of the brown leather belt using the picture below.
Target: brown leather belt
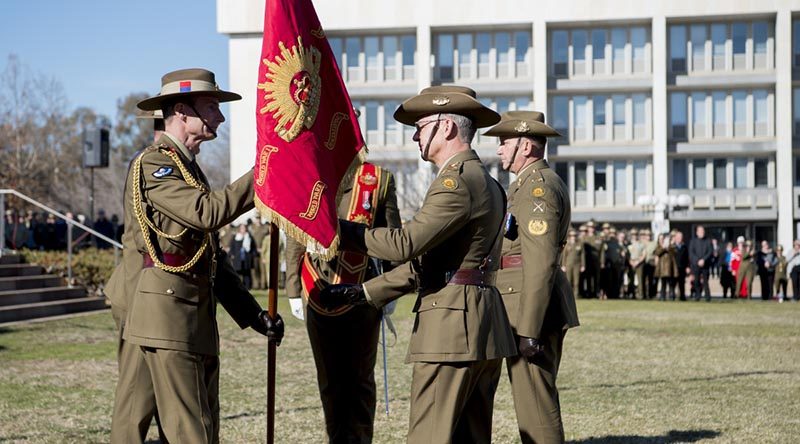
(464, 276)
(513, 261)
(173, 260)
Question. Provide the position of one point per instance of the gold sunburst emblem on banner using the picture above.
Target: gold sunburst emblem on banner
(292, 89)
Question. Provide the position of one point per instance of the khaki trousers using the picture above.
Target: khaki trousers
(533, 385)
(452, 402)
(186, 387)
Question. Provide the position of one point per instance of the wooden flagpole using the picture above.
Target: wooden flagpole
(272, 309)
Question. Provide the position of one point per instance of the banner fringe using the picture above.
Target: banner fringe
(312, 245)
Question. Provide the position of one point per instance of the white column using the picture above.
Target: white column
(540, 68)
(660, 118)
(244, 54)
(423, 63)
(783, 125)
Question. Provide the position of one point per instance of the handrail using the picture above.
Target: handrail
(117, 246)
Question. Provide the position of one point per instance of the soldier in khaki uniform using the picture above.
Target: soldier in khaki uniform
(573, 261)
(594, 249)
(345, 341)
(133, 410)
(452, 248)
(175, 268)
(649, 279)
(636, 262)
(536, 292)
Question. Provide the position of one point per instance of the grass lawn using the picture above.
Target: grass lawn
(638, 372)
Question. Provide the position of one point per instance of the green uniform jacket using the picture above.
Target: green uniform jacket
(386, 215)
(177, 311)
(667, 264)
(458, 227)
(780, 268)
(538, 295)
(573, 256)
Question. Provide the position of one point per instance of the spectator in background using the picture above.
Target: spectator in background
(765, 262)
(50, 236)
(716, 257)
(118, 228)
(701, 252)
(243, 251)
(103, 226)
(793, 269)
(61, 231)
(780, 274)
(747, 270)
(726, 277)
(682, 261)
(667, 266)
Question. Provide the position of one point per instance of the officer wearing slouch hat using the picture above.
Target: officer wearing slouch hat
(536, 292)
(452, 248)
(174, 268)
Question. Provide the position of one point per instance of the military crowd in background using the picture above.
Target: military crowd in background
(46, 232)
(611, 263)
(247, 245)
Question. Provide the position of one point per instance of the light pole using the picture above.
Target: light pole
(661, 206)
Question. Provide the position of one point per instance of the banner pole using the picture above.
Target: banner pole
(272, 309)
(385, 370)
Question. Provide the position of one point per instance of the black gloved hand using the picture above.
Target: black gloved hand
(272, 329)
(339, 295)
(530, 348)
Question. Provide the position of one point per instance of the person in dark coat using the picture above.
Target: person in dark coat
(700, 254)
(682, 261)
(103, 226)
(766, 261)
(243, 251)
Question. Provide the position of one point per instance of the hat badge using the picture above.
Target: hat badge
(440, 100)
(522, 127)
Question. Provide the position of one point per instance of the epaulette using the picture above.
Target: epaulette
(455, 167)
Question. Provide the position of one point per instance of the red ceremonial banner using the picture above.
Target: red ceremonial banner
(308, 135)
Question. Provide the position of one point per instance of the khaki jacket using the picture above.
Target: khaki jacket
(573, 256)
(667, 264)
(386, 215)
(538, 295)
(458, 227)
(177, 311)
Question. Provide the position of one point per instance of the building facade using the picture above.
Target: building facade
(654, 99)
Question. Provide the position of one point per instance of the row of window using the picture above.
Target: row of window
(600, 51)
(701, 174)
(722, 114)
(482, 55)
(375, 58)
(602, 118)
(722, 46)
(380, 128)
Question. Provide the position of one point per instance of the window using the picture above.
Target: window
(579, 42)
(761, 113)
(678, 115)
(639, 41)
(719, 35)
(760, 36)
(336, 48)
(619, 38)
(483, 44)
(796, 43)
(560, 114)
(580, 118)
(599, 104)
(599, 176)
(679, 177)
(371, 52)
(391, 126)
(699, 115)
(720, 114)
(580, 176)
(740, 173)
(372, 123)
(599, 50)
(522, 45)
(698, 38)
(464, 46)
(761, 167)
(699, 174)
(739, 113)
(797, 171)
(445, 56)
(618, 110)
(720, 173)
(502, 41)
(640, 176)
(409, 43)
(797, 112)
(677, 48)
(620, 176)
(562, 169)
(639, 116)
(739, 37)
(560, 51)
(353, 50)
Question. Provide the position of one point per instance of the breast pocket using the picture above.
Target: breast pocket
(441, 324)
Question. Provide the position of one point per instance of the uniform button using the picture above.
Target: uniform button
(510, 288)
(170, 291)
(434, 303)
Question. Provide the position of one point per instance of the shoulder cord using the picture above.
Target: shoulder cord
(145, 223)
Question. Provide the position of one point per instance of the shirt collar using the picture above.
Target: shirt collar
(185, 151)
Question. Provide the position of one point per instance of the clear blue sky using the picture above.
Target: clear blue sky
(102, 50)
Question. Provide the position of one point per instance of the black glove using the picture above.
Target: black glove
(272, 329)
(339, 295)
(530, 348)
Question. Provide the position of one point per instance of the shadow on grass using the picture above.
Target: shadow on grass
(4, 330)
(697, 379)
(673, 436)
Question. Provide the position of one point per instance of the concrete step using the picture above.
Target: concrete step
(10, 270)
(53, 308)
(10, 259)
(28, 282)
(34, 295)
